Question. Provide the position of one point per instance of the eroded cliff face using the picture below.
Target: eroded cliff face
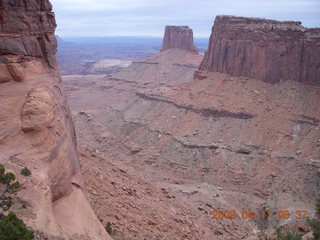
(178, 37)
(264, 49)
(36, 129)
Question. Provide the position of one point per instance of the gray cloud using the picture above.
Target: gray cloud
(148, 17)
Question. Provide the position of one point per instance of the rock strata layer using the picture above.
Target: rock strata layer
(36, 129)
(178, 37)
(264, 49)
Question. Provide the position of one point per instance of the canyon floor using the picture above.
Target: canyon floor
(160, 149)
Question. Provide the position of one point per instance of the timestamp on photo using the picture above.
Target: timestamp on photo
(264, 214)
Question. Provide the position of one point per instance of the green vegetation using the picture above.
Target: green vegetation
(7, 185)
(290, 235)
(25, 171)
(293, 235)
(13, 228)
(315, 227)
(315, 223)
(318, 206)
(109, 228)
(7, 181)
(6, 203)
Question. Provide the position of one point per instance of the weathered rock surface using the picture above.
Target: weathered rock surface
(178, 37)
(36, 128)
(221, 142)
(264, 49)
(168, 68)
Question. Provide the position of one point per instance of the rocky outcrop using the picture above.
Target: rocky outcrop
(36, 129)
(178, 37)
(264, 49)
(27, 34)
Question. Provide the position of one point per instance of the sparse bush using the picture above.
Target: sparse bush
(7, 178)
(8, 182)
(25, 171)
(315, 223)
(290, 235)
(7, 187)
(6, 203)
(14, 187)
(262, 235)
(315, 227)
(2, 170)
(318, 206)
(13, 228)
(109, 228)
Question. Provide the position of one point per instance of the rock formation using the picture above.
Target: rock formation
(221, 142)
(178, 37)
(264, 49)
(36, 129)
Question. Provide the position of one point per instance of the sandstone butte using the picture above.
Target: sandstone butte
(178, 37)
(264, 49)
(36, 128)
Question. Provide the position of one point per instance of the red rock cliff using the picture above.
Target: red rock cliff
(264, 49)
(36, 129)
(178, 37)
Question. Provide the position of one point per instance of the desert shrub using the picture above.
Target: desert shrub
(315, 223)
(25, 171)
(14, 187)
(315, 227)
(2, 170)
(7, 186)
(7, 178)
(8, 181)
(290, 235)
(13, 228)
(318, 206)
(109, 228)
(6, 203)
(262, 235)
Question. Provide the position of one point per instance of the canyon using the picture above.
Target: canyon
(151, 149)
(201, 138)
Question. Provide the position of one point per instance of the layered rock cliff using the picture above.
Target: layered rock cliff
(178, 37)
(36, 129)
(264, 49)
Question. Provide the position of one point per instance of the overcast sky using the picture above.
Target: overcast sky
(78, 18)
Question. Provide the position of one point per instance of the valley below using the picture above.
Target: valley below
(162, 145)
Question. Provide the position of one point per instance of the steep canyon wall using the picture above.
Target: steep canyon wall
(36, 129)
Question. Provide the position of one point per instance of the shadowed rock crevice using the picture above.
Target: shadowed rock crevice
(205, 112)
